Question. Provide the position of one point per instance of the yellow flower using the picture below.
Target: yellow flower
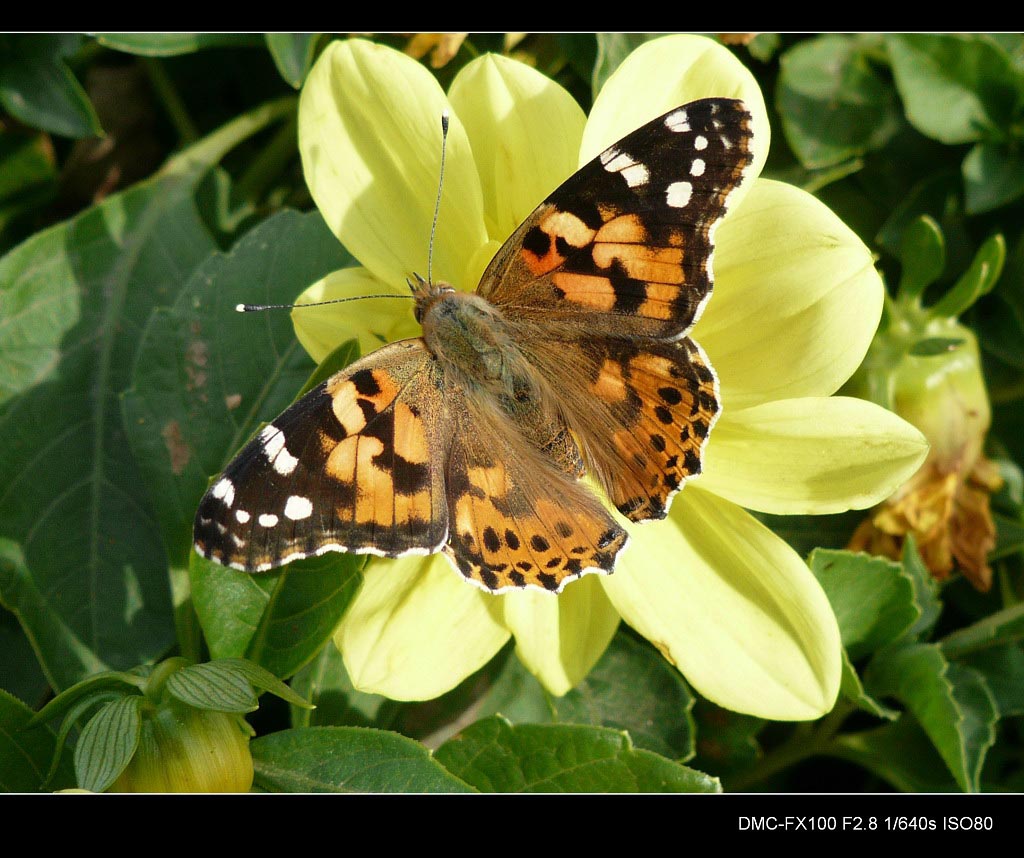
(796, 303)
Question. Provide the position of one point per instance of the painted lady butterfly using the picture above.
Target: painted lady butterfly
(571, 355)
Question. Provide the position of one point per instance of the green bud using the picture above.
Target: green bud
(182, 749)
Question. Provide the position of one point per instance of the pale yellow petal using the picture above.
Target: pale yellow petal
(664, 73)
(525, 131)
(416, 629)
(560, 638)
(370, 139)
(371, 321)
(796, 299)
(733, 607)
(815, 455)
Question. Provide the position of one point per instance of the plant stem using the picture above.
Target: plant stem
(168, 94)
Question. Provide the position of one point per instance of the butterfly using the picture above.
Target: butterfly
(571, 357)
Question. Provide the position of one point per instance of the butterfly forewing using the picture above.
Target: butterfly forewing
(624, 246)
(348, 467)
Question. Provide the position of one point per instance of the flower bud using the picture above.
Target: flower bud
(183, 749)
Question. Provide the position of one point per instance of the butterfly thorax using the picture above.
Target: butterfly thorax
(471, 338)
(479, 351)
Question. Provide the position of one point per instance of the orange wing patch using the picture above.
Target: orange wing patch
(675, 402)
(556, 232)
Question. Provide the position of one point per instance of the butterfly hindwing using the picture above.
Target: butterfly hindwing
(624, 246)
(517, 518)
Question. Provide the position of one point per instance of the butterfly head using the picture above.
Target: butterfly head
(426, 294)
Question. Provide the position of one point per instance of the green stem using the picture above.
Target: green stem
(167, 92)
(268, 165)
(805, 742)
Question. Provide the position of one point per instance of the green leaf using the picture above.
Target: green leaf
(117, 681)
(900, 754)
(206, 376)
(492, 755)
(955, 88)
(173, 44)
(873, 599)
(925, 591)
(260, 678)
(833, 104)
(1003, 669)
(279, 620)
(38, 88)
(976, 281)
(633, 688)
(764, 45)
(726, 741)
(951, 702)
(86, 569)
(108, 743)
(181, 434)
(293, 54)
(347, 759)
(326, 684)
(214, 686)
(612, 49)
(993, 176)
(25, 754)
(516, 694)
(922, 256)
(1002, 627)
(853, 690)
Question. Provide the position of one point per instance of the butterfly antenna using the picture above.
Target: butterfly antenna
(437, 204)
(253, 308)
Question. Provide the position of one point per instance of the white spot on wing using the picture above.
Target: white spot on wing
(697, 167)
(273, 447)
(242, 516)
(297, 508)
(678, 194)
(268, 519)
(632, 171)
(700, 143)
(224, 490)
(678, 121)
